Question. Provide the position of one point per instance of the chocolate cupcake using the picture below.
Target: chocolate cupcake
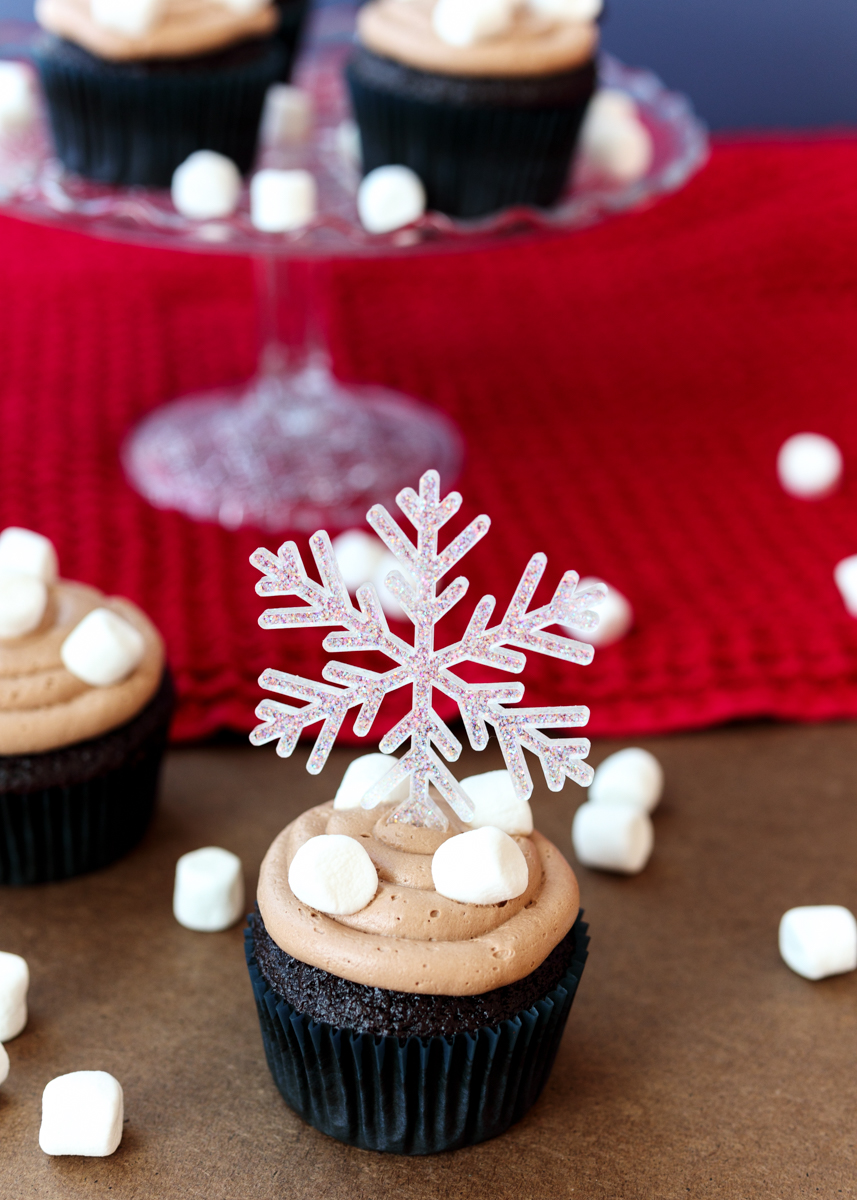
(85, 706)
(133, 90)
(482, 99)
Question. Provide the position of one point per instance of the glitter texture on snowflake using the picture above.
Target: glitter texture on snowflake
(421, 666)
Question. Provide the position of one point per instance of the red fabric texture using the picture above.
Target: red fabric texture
(623, 392)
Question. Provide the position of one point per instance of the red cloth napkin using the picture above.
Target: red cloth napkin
(623, 392)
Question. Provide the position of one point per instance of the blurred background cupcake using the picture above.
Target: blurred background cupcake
(135, 86)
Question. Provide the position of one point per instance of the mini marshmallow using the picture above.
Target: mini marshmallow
(613, 140)
(103, 648)
(17, 98)
(612, 837)
(23, 552)
(4, 1064)
(282, 200)
(631, 776)
(286, 116)
(569, 10)
(14, 982)
(390, 197)
(819, 940)
(348, 143)
(495, 803)
(845, 575)
(482, 866)
(23, 599)
(82, 1113)
(465, 22)
(809, 465)
(361, 774)
(209, 890)
(206, 185)
(333, 873)
(359, 555)
(615, 617)
(132, 18)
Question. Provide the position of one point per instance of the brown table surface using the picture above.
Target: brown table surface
(694, 1063)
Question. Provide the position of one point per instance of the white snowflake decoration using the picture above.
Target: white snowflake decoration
(420, 665)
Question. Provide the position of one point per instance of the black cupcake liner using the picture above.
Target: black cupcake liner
(76, 809)
(289, 31)
(134, 123)
(414, 1095)
(478, 146)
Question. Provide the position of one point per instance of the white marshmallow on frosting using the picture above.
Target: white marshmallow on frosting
(17, 98)
(132, 18)
(82, 1113)
(209, 890)
(359, 556)
(495, 803)
(613, 837)
(614, 142)
(809, 465)
(333, 873)
(23, 552)
(482, 866)
(207, 185)
(361, 774)
(615, 617)
(103, 648)
(630, 776)
(281, 201)
(4, 1064)
(390, 197)
(819, 940)
(845, 576)
(465, 22)
(286, 115)
(14, 982)
(569, 10)
(23, 600)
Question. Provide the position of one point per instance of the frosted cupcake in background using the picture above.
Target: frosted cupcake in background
(135, 86)
(85, 706)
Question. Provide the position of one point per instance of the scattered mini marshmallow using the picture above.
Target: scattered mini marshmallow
(132, 18)
(569, 10)
(390, 197)
(348, 143)
(14, 982)
(209, 890)
(613, 837)
(23, 599)
(361, 774)
(465, 22)
(819, 940)
(359, 555)
(809, 465)
(206, 185)
(614, 142)
(82, 1113)
(18, 106)
(23, 552)
(482, 866)
(333, 873)
(615, 617)
(495, 803)
(630, 776)
(281, 201)
(845, 576)
(286, 116)
(4, 1064)
(103, 648)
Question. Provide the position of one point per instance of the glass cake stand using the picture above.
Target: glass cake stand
(294, 448)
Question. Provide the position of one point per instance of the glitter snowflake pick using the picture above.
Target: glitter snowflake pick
(421, 666)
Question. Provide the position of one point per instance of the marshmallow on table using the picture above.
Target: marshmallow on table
(281, 201)
(359, 555)
(361, 774)
(209, 890)
(845, 575)
(809, 465)
(495, 803)
(206, 185)
(333, 873)
(612, 837)
(631, 776)
(819, 940)
(286, 115)
(17, 98)
(23, 552)
(103, 648)
(132, 18)
(82, 1113)
(465, 22)
(390, 197)
(4, 1064)
(614, 142)
(14, 982)
(482, 866)
(23, 599)
(615, 617)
